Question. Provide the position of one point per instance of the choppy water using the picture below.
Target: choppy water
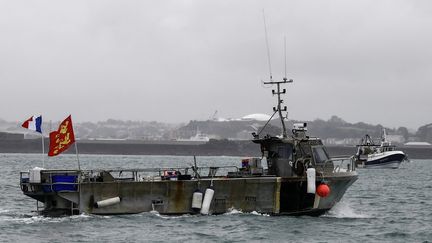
(382, 206)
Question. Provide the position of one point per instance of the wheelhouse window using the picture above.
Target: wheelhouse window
(320, 155)
(305, 150)
(285, 151)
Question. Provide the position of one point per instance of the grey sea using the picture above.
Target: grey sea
(384, 205)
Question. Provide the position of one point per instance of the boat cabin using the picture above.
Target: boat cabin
(288, 157)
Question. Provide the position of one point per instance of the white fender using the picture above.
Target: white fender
(35, 175)
(208, 197)
(197, 198)
(107, 202)
(311, 182)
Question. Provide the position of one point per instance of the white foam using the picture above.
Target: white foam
(156, 213)
(80, 216)
(343, 210)
(42, 219)
(259, 214)
(4, 211)
(232, 211)
(35, 219)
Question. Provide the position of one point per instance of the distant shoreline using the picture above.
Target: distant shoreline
(212, 148)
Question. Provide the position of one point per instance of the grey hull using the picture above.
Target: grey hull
(268, 195)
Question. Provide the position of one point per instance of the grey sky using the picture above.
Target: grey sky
(173, 61)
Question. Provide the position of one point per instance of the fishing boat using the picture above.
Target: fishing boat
(383, 155)
(198, 137)
(294, 176)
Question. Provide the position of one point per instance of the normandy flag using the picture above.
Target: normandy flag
(61, 139)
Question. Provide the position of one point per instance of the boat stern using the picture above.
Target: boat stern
(56, 191)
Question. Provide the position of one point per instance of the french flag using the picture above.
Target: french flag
(33, 123)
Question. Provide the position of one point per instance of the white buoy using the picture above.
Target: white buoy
(311, 183)
(107, 202)
(197, 198)
(208, 197)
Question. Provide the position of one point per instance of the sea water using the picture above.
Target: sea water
(383, 205)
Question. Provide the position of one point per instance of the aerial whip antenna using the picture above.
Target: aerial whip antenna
(268, 48)
(279, 108)
(285, 77)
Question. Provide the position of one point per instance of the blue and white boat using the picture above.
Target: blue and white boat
(383, 155)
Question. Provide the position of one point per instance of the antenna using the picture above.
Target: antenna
(285, 77)
(267, 45)
(278, 91)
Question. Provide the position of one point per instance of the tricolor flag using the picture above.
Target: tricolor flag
(33, 123)
(61, 139)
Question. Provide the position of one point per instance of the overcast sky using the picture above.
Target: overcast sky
(173, 61)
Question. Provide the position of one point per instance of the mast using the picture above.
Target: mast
(384, 136)
(279, 108)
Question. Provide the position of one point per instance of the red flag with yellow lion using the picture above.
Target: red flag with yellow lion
(61, 139)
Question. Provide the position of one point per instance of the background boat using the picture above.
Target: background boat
(384, 155)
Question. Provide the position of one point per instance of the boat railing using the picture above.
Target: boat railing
(342, 163)
(68, 180)
(25, 181)
(163, 173)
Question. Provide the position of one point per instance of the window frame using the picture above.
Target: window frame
(313, 148)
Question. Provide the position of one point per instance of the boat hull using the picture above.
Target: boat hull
(389, 160)
(262, 194)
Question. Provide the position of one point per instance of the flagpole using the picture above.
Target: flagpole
(43, 151)
(76, 151)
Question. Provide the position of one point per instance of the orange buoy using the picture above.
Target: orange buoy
(323, 190)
